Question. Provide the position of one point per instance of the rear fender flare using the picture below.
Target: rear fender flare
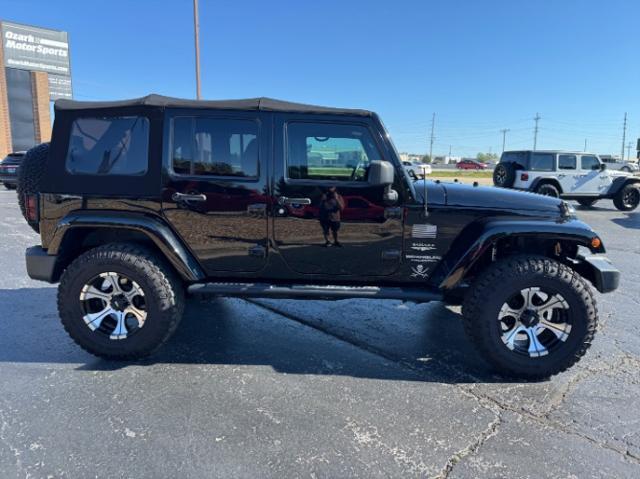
(534, 185)
(465, 256)
(152, 227)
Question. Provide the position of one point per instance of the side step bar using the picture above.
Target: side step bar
(264, 290)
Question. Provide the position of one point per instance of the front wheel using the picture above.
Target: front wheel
(539, 322)
(587, 202)
(627, 198)
(119, 301)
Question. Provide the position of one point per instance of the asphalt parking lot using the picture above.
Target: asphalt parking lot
(312, 389)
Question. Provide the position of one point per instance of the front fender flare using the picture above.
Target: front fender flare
(152, 227)
(465, 256)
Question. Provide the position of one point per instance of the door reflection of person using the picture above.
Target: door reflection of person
(331, 206)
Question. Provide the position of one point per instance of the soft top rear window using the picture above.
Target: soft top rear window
(109, 146)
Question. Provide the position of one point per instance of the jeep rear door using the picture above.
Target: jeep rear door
(314, 153)
(214, 186)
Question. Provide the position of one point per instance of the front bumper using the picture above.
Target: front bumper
(40, 265)
(600, 271)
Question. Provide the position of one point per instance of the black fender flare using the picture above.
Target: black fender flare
(620, 183)
(464, 256)
(541, 179)
(153, 227)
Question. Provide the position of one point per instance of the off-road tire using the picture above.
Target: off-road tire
(9, 187)
(30, 176)
(622, 203)
(547, 189)
(483, 302)
(504, 175)
(586, 202)
(164, 294)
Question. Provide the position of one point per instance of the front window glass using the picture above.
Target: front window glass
(589, 162)
(334, 152)
(215, 147)
(566, 162)
(541, 162)
(109, 146)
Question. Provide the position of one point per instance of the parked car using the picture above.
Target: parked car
(471, 165)
(417, 170)
(9, 167)
(615, 163)
(121, 201)
(570, 175)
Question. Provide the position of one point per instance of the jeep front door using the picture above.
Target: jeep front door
(568, 173)
(329, 219)
(214, 192)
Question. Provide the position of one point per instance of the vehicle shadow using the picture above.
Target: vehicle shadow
(430, 346)
(631, 220)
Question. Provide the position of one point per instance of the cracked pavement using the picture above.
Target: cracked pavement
(356, 388)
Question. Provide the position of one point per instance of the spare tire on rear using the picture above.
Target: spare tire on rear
(504, 175)
(30, 176)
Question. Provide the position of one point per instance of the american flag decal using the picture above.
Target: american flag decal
(424, 231)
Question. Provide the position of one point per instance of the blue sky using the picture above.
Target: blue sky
(479, 65)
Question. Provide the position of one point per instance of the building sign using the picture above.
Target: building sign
(33, 48)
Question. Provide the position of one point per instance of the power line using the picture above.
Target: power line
(535, 132)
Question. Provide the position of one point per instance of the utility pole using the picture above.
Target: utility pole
(433, 124)
(535, 132)
(629, 145)
(585, 145)
(196, 31)
(624, 134)
(449, 152)
(504, 137)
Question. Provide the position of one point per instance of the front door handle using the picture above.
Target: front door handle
(188, 197)
(283, 200)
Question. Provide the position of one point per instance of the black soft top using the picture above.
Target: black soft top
(252, 104)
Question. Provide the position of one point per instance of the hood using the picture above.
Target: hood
(491, 198)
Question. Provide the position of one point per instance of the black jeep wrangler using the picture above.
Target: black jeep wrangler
(140, 202)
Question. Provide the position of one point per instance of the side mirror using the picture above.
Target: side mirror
(381, 173)
(603, 166)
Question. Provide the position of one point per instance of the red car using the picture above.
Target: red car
(471, 165)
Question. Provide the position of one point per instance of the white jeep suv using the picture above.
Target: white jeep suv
(570, 175)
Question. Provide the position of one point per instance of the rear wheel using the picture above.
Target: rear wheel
(9, 187)
(539, 322)
(547, 189)
(587, 202)
(627, 198)
(626, 168)
(504, 175)
(119, 301)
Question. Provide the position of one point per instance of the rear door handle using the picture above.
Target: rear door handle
(283, 200)
(188, 197)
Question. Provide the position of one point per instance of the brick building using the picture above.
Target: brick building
(34, 69)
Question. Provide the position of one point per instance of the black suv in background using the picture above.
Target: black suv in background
(9, 169)
(139, 202)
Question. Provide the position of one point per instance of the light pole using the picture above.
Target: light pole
(504, 137)
(196, 31)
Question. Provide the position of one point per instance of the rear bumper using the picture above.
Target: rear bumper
(599, 270)
(40, 265)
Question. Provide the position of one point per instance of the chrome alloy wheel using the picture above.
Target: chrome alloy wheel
(534, 322)
(113, 305)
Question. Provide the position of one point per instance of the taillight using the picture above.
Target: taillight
(31, 207)
(524, 176)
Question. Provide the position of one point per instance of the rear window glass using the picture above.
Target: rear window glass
(109, 146)
(541, 162)
(519, 157)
